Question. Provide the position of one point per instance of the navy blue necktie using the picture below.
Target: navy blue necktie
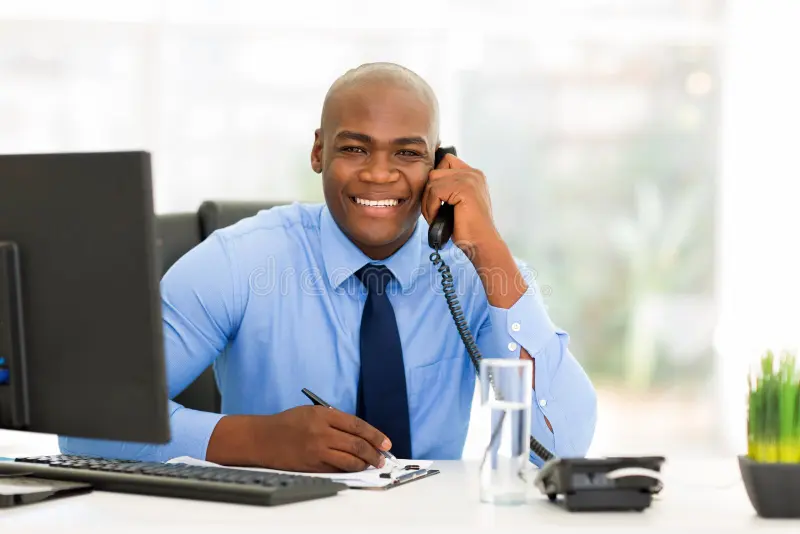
(382, 398)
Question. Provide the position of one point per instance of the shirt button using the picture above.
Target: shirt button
(542, 403)
(515, 327)
(512, 346)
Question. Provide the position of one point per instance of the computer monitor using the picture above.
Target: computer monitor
(81, 346)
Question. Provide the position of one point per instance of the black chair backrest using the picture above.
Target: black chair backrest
(216, 214)
(177, 234)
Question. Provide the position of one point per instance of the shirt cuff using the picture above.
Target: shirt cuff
(525, 324)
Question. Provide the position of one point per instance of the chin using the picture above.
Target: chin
(375, 240)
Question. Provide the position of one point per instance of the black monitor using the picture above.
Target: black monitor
(81, 346)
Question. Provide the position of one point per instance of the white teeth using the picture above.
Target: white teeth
(378, 203)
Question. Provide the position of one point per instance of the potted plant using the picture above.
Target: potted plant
(771, 468)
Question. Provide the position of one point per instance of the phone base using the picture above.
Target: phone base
(605, 484)
(604, 501)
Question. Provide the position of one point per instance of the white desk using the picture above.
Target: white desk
(446, 502)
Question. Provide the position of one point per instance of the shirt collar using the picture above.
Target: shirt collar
(343, 258)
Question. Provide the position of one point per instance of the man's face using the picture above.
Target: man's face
(375, 153)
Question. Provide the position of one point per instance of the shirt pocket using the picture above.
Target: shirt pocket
(440, 400)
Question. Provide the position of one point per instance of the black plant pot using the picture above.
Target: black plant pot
(773, 488)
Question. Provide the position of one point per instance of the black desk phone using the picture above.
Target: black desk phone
(587, 485)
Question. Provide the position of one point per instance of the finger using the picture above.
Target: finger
(355, 446)
(450, 161)
(439, 192)
(358, 427)
(343, 461)
(438, 174)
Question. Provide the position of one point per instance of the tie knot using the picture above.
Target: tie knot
(375, 277)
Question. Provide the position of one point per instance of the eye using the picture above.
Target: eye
(353, 149)
(410, 153)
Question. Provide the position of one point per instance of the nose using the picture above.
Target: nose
(378, 169)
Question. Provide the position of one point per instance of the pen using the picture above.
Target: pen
(319, 402)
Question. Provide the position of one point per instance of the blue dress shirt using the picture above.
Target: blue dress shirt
(273, 304)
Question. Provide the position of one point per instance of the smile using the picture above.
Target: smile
(384, 203)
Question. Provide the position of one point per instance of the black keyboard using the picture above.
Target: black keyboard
(177, 480)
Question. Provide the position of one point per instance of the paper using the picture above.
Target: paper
(369, 478)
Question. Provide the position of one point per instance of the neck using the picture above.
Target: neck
(381, 252)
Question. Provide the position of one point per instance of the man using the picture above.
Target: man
(342, 299)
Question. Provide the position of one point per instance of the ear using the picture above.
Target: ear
(316, 152)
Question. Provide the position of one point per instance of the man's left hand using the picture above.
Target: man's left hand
(456, 183)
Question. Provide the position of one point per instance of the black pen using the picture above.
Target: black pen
(316, 400)
(319, 402)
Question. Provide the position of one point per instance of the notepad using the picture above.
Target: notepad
(369, 478)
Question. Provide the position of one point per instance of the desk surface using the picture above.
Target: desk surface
(702, 494)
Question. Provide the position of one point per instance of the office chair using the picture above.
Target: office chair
(177, 234)
(216, 214)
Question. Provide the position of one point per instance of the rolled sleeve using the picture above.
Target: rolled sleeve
(563, 393)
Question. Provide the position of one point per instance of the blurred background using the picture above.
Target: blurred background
(640, 155)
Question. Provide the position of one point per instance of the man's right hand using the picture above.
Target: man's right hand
(305, 439)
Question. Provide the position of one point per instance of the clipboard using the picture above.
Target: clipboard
(356, 481)
(400, 480)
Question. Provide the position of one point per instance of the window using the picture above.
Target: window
(596, 123)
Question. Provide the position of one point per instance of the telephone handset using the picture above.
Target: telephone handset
(442, 225)
(439, 233)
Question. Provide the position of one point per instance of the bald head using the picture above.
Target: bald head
(378, 135)
(370, 77)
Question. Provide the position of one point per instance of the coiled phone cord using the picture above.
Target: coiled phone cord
(469, 342)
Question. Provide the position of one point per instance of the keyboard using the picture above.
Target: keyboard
(220, 484)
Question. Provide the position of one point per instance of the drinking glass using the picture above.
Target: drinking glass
(506, 402)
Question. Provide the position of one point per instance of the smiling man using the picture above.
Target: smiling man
(342, 299)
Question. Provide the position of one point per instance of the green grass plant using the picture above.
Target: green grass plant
(773, 420)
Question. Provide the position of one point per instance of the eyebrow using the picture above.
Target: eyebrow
(366, 139)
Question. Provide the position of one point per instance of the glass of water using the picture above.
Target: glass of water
(506, 403)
